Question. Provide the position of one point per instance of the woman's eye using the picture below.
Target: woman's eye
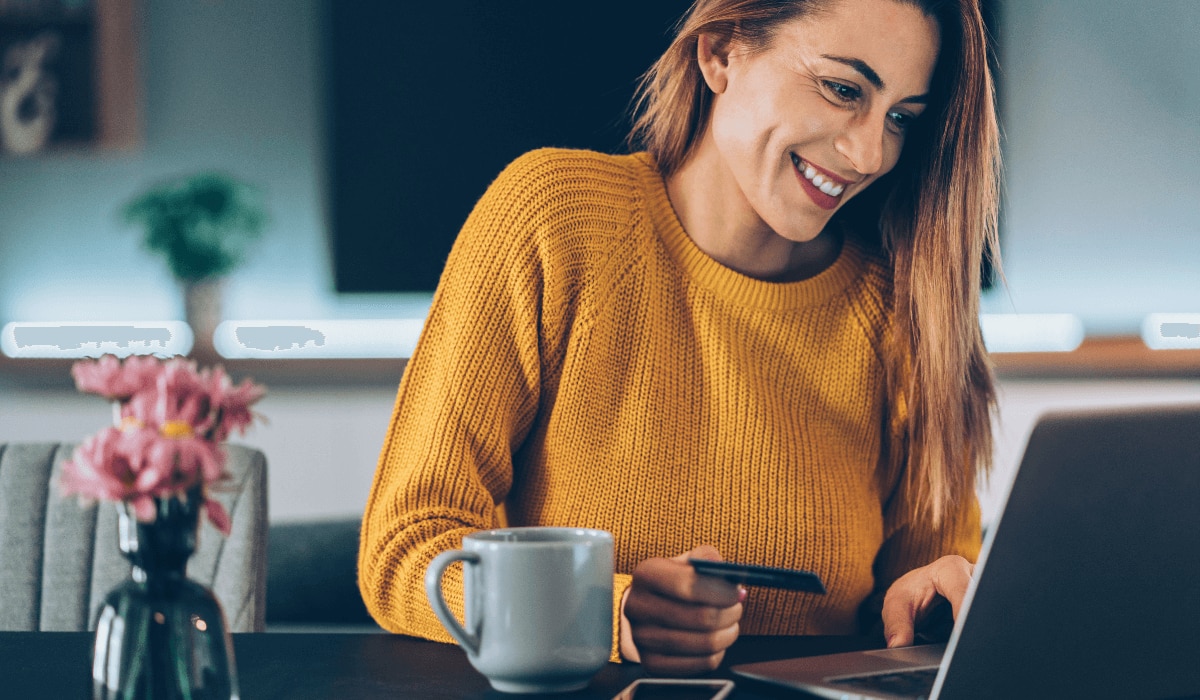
(901, 120)
(843, 92)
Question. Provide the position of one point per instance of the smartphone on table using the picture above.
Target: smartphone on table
(676, 689)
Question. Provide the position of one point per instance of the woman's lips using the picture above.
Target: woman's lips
(824, 189)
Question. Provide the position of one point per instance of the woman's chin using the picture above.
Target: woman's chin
(803, 234)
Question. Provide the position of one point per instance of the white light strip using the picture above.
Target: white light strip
(1031, 332)
(396, 338)
(1171, 331)
(84, 339)
(366, 338)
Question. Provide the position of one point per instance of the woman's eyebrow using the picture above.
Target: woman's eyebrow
(861, 66)
(872, 77)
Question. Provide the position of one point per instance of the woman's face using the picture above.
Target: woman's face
(821, 114)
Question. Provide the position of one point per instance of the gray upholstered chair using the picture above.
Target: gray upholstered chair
(58, 557)
(312, 578)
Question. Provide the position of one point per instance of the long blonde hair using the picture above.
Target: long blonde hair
(935, 215)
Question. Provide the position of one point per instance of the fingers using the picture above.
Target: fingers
(899, 614)
(669, 665)
(704, 551)
(665, 648)
(951, 576)
(649, 607)
(677, 642)
(678, 621)
(676, 579)
(914, 594)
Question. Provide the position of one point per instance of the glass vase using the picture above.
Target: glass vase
(159, 634)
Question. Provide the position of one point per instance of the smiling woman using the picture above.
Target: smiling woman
(754, 338)
(780, 170)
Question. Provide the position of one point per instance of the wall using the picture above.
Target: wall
(1102, 216)
(322, 442)
(1106, 227)
(1022, 401)
(229, 85)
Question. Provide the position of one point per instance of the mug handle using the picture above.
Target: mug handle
(433, 591)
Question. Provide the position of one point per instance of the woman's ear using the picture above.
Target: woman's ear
(712, 55)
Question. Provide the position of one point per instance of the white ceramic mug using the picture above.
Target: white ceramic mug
(538, 605)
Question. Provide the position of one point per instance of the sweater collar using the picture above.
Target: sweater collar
(731, 285)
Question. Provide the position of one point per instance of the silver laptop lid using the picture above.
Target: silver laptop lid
(1090, 580)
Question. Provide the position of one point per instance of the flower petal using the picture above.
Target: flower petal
(144, 508)
(218, 516)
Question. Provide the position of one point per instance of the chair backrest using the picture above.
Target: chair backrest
(59, 557)
(312, 578)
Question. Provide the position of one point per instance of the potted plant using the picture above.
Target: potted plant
(202, 224)
(159, 633)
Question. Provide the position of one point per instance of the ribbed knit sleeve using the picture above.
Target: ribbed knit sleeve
(466, 401)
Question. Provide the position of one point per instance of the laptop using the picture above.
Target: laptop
(1087, 586)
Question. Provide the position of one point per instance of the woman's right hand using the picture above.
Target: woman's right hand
(675, 621)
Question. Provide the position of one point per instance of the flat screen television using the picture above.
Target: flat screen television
(428, 101)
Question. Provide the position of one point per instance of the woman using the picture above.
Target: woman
(758, 339)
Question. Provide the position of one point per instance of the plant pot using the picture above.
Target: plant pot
(202, 311)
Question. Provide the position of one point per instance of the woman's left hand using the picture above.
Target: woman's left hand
(914, 594)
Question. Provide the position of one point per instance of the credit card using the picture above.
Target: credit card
(757, 575)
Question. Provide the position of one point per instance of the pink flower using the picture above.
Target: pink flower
(231, 403)
(173, 419)
(99, 469)
(218, 516)
(177, 394)
(115, 379)
(173, 465)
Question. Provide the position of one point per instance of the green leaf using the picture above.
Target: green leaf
(202, 224)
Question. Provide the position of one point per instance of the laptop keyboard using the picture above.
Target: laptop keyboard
(915, 683)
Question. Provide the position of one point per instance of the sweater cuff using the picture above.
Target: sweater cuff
(620, 585)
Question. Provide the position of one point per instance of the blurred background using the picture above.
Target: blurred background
(369, 128)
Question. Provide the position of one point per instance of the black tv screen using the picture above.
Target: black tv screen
(429, 101)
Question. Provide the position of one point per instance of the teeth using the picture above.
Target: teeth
(822, 183)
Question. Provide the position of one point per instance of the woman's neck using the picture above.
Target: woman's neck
(719, 220)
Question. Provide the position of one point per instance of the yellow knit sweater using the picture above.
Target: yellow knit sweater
(585, 364)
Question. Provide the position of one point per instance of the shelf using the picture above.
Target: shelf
(1100, 357)
(1095, 358)
(29, 373)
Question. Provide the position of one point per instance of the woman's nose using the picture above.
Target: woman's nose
(862, 143)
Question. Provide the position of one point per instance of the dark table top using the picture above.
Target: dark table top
(279, 666)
